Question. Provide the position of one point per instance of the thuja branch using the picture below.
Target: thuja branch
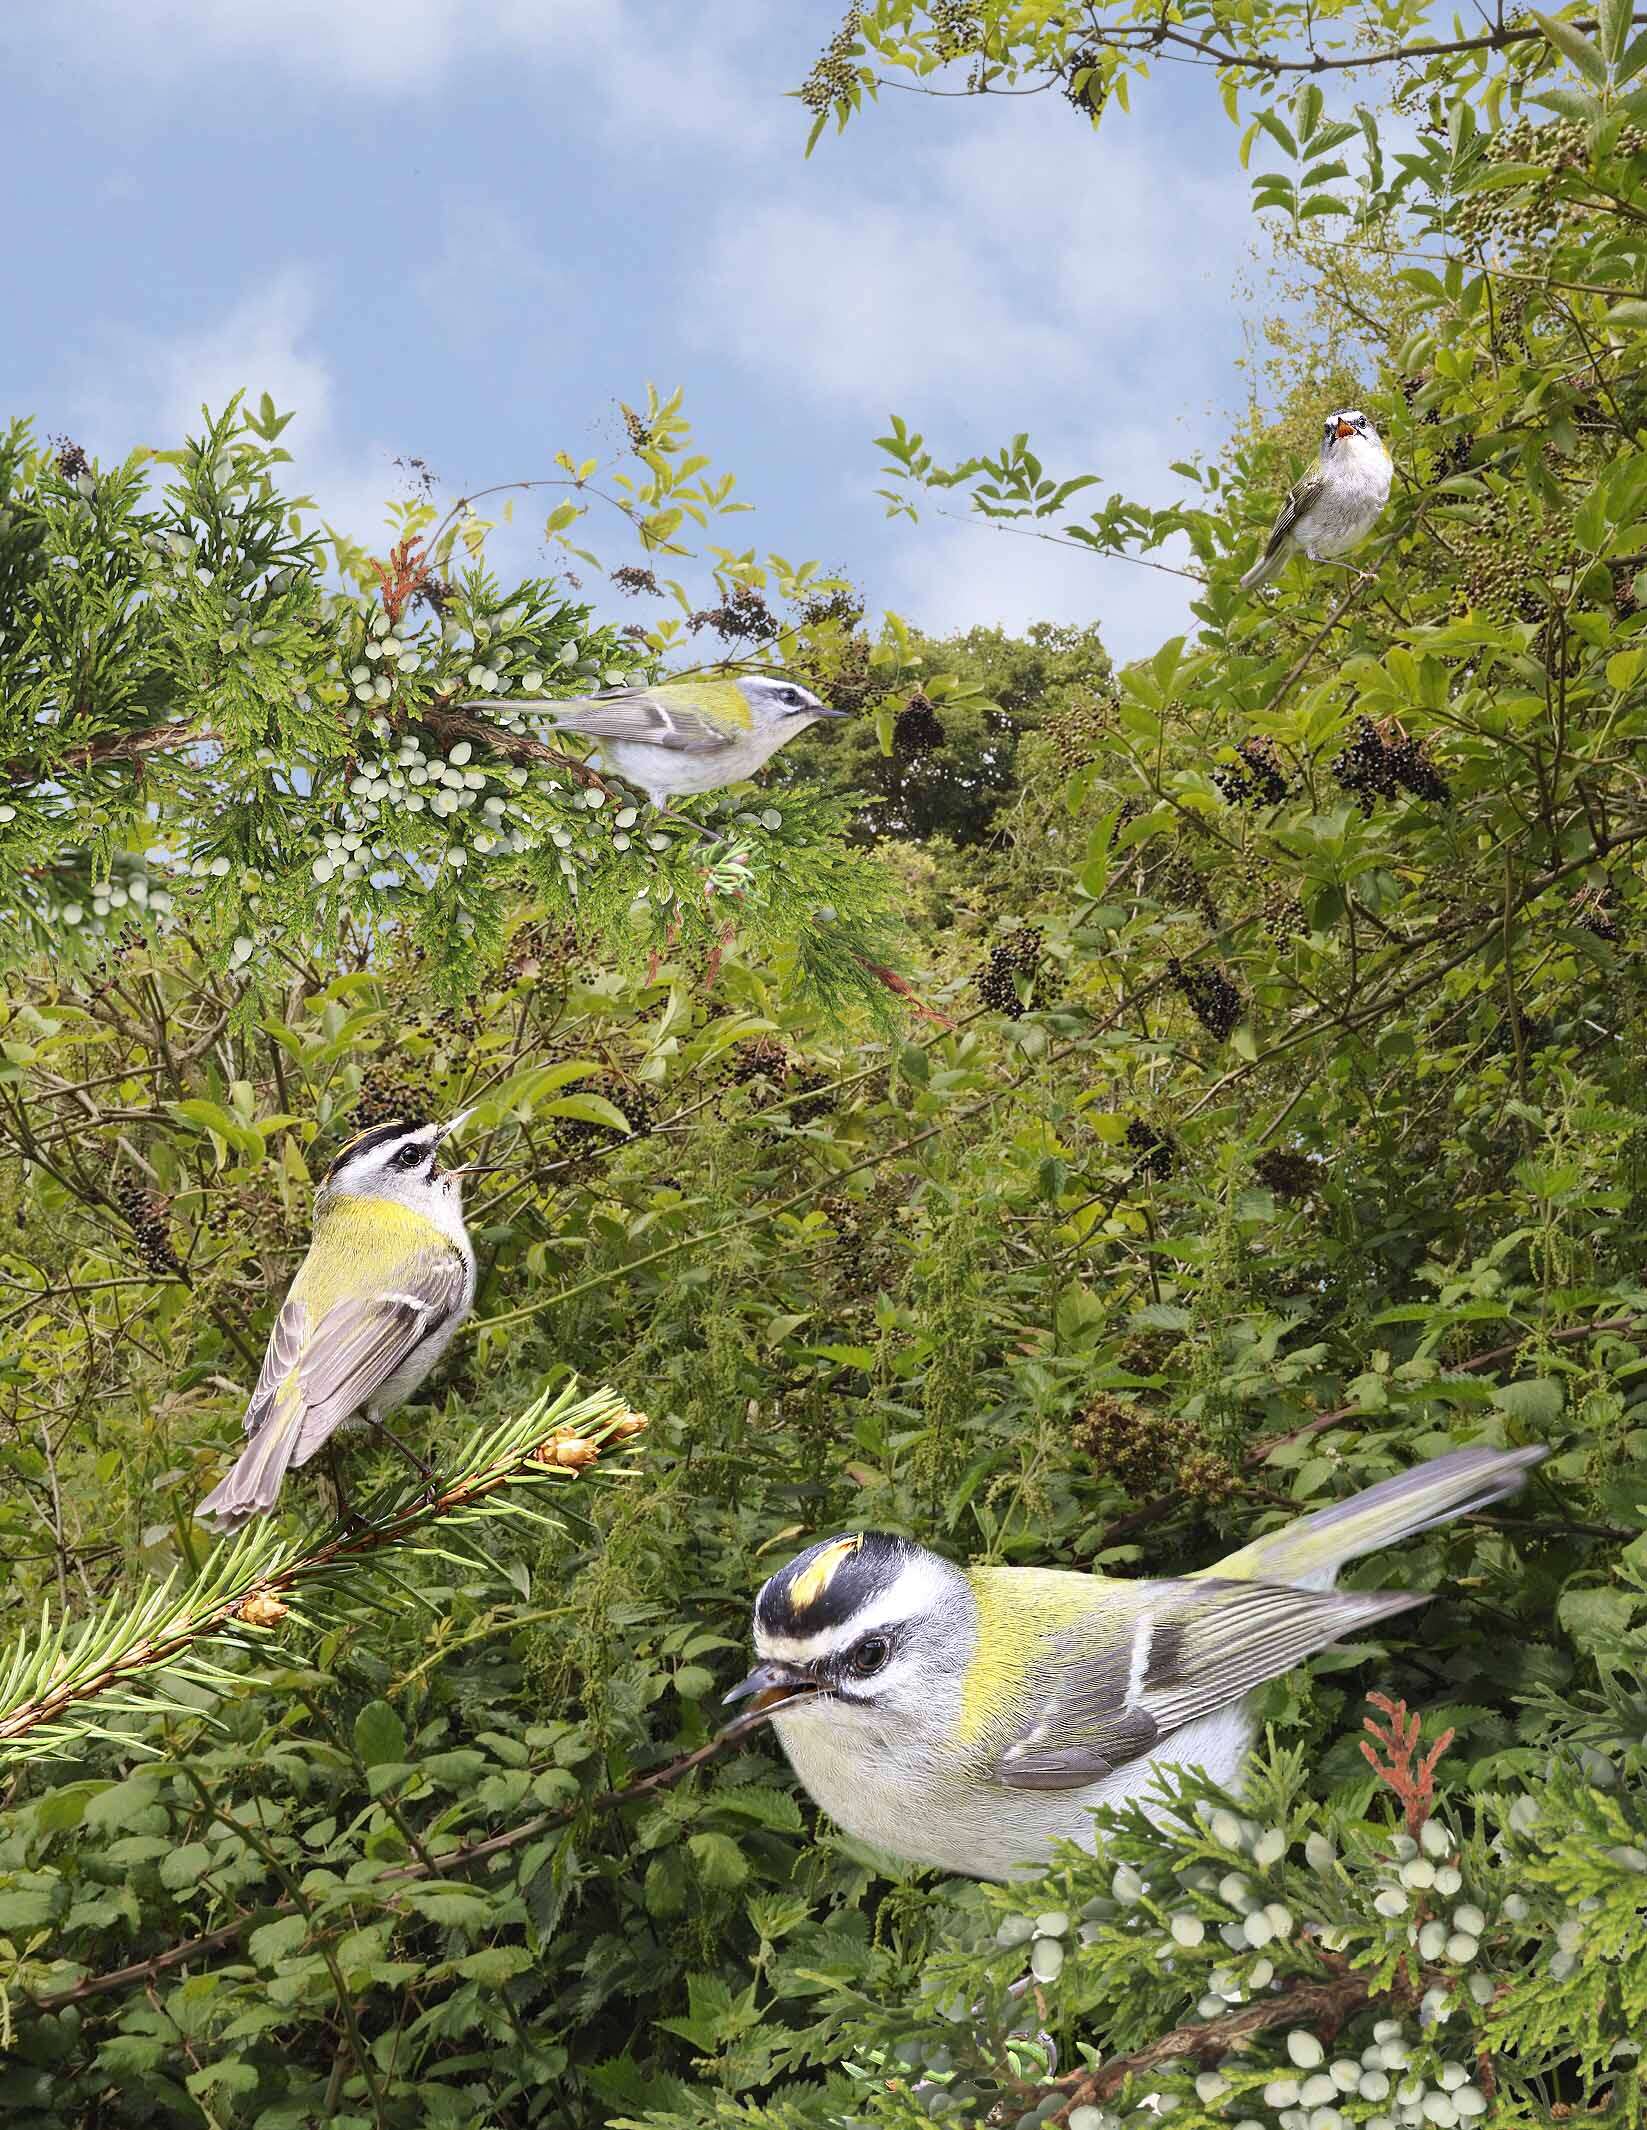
(56, 1687)
(437, 1865)
(1313, 2005)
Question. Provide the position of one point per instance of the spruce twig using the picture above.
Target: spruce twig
(133, 1659)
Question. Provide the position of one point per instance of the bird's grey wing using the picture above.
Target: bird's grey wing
(1304, 494)
(633, 714)
(358, 1345)
(280, 1357)
(1107, 1691)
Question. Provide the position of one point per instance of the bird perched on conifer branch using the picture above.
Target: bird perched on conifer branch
(972, 1720)
(389, 1277)
(677, 737)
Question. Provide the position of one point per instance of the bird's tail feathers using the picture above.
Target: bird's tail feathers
(1433, 1493)
(1270, 564)
(253, 1481)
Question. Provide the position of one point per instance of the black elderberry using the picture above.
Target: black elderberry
(1078, 732)
(1209, 994)
(389, 1097)
(1412, 768)
(1260, 780)
(1286, 1173)
(917, 729)
(1364, 768)
(634, 1103)
(1157, 1154)
(763, 1057)
(144, 1213)
(1593, 912)
(1020, 954)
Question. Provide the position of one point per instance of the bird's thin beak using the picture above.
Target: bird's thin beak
(1345, 429)
(829, 710)
(770, 1686)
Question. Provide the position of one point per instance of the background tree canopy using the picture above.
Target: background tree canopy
(1264, 1112)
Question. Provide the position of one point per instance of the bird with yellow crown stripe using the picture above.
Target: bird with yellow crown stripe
(972, 1719)
(389, 1277)
(682, 736)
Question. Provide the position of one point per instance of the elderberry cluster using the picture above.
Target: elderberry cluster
(1592, 911)
(917, 729)
(635, 1104)
(763, 1057)
(1157, 1154)
(1209, 993)
(1374, 767)
(1260, 780)
(1287, 1173)
(389, 1097)
(996, 982)
(145, 1214)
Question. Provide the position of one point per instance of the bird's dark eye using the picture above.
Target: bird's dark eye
(409, 1157)
(869, 1656)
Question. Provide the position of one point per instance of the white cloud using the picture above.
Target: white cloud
(265, 342)
(625, 64)
(1024, 276)
(949, 576)
(1024, 268)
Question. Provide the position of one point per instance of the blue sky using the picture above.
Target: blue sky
(466, 231)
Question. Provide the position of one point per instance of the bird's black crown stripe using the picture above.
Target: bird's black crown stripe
(363, 1143)
(830, 1582)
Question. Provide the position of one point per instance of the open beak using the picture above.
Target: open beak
(770, 1686)
(451, 1125)
(1344, 429)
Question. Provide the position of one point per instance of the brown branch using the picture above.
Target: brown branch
(449, 1860)
(1154, 35)
(518, 747)
(112, 747)
(1309, 2004)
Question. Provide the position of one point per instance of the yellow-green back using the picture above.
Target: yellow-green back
(722, 702)
(1020, 1610)
(359, 1245)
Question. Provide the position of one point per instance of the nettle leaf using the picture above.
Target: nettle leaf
(718, 1860)
(380, 1735)
(1538, 1402)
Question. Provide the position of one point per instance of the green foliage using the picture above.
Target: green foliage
(201, 735)
(1283, 1121)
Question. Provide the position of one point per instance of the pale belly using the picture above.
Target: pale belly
(893, 1803)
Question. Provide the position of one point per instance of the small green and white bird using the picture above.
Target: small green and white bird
(681, 736)
(971, 1719)
(1336, 504)
(389, 1277)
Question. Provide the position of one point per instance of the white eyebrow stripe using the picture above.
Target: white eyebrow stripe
(922, 1589)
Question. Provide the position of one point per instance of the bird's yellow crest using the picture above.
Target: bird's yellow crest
(813, 1581)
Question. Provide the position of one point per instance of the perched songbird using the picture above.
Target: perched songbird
(684, 735)
(971, 1719)
(1335, 505)
(388, 1279)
